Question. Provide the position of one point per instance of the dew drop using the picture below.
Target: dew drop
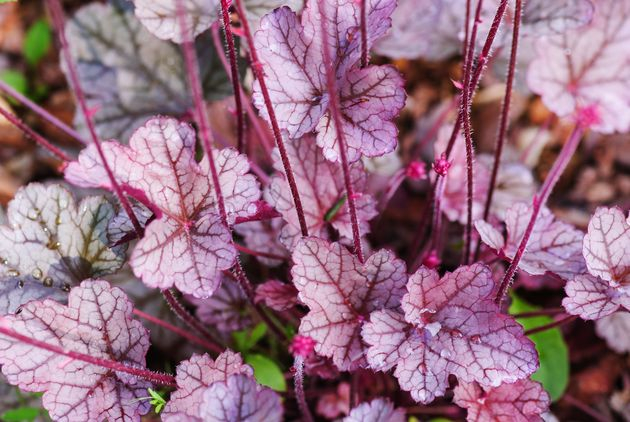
(20, 284)
(47, 282)
(37, 274)
(32, 214)
(476, 339)
(445, 353)
(58, 220)
(66, 288)
(4, 261)
(13, 273)
(456, 334)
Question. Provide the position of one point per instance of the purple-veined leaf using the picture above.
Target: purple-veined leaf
(332, 405)
(541, 17)
(277, 295)
(224, 310)
(239, 398)
(553, 246)
(186, 245)
(319, 366)
(522, 401)
(51, 243)
(607, 246)
(129, 75)
(586, 69)
(194, 376)
(593, 298)
(263, 236)
(291, 53)
(378, 410)
(96, 322)
(340, 293)
(322, 192)
(614, 329)
(450, 326)
(120, 228)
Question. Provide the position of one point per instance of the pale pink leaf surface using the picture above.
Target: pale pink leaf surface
(291, 54)
(96, 322)
(553, 246)
(378, 410)
(321, 187)
(194, 376)
(333, 404)
(592, 298)
(522, 401)
(542, 17)
(586, 68)
(263, 236)
(186, 245)
(224, 309)
(52, 243)
(615, 329)
(277, 295)
(450, 326)
(340, 293)
(239, 398)
(607, 246)
(120, 228)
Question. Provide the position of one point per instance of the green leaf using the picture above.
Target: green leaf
(245, 340)
(157, 401)
(37, 42)
(21, 414)
(15, 79)
(332, 212)
(267, 372)
(8, 1)
(552, 350)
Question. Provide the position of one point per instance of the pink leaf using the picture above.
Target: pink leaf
(322, 192)
(332, 405)
(522, 401)
(340, 293)
(553, 246)
(291, 53)
(450, 326)
(587, 68)
(592, 298)
(542, 17)
(277, 295)
(194, 376)
(97, 322)
(186, 245)
(614, 329)
(239, 398)
(263, 236)
(52, 243)
(378, 410)
(224, 309)
(607, 246)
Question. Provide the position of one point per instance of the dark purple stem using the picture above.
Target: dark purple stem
(185, 316)
(258, 72)
(331, 83)
(551, 325)
(39, 139)
(42, 112)
(183, 333)
(58, 19)
(298, 380)
(540, 199)
(465, 110)
(505, 111)
(364, 37)
(542, 312)
(252, 252)
(253, 118)
(154, 377)
(236, 86)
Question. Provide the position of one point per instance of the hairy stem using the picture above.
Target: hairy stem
(540, 199)
(236, 86)
(334, 108)
(58, 20)
(185, 316)
(183, 333)
(252, 252)
(542, 312)
(298, 379)
(154, 377)
(42, 112)
(551, 325)
(258, 72)
(39, 139)
(505, 110)
(364, 38)
(253, 118)
(465, 110)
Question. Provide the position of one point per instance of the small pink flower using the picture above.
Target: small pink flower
(441, 165)
(588, 116)
(432, 260)
(416, 170)
(302, 346)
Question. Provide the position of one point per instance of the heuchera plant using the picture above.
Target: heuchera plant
(254, 188)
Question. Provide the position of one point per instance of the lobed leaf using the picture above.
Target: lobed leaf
(51, 243)
(378, 410)
(186, 245)
(614, 329)
(277, 295)
(340, 293)
(96, 322)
